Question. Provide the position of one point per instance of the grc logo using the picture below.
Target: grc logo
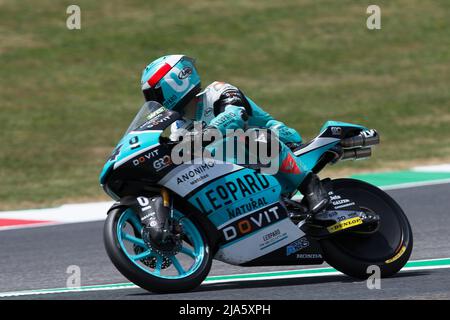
(162, 163)
(253, 222)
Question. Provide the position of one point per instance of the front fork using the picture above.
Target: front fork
(166, 197)
(173, 225)
(161, 232)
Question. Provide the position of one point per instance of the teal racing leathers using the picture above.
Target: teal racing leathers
(223, 107)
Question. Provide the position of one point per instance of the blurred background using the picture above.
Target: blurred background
(67, 96)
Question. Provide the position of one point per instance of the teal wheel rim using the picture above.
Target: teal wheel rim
(179, 266)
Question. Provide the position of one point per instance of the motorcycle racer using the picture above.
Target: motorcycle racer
(174, 82)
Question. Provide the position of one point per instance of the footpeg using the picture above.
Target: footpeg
(297, 210)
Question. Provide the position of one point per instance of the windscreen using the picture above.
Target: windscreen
(149, 111)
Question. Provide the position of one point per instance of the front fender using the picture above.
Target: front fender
(127, 201)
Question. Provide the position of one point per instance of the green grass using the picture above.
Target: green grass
(67, 96)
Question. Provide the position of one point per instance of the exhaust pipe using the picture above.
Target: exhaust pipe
(364, 139)
(354, 154)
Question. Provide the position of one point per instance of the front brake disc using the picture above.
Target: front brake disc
(151, 261)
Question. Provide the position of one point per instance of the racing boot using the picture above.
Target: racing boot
(316, 195)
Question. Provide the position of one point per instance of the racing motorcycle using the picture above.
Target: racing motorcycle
(170, 221)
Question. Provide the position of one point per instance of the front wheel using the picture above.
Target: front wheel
(389, 247)
(183, 270)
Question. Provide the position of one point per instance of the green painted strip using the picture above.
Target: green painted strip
(270, 274)
(424, 263)
(399, 177)
(84, 288)
(428, 263)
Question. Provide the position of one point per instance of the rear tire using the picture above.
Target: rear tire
(389, 247)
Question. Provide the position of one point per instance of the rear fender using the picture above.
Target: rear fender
(340, 130)
(315, 154)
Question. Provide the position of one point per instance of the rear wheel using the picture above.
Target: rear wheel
(183, 270)
(389, 247)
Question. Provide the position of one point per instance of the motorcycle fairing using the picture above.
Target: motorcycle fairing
(222, 200)
(303, 251)
(259, 234)
(236, 200)
(142, 135)
(189, 176)
(126, 149)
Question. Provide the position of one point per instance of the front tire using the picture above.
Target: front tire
(389, 247)
(147, 268)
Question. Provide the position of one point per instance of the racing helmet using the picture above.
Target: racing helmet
(171, 80)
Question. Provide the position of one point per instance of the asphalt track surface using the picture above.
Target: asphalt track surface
(38, 258)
